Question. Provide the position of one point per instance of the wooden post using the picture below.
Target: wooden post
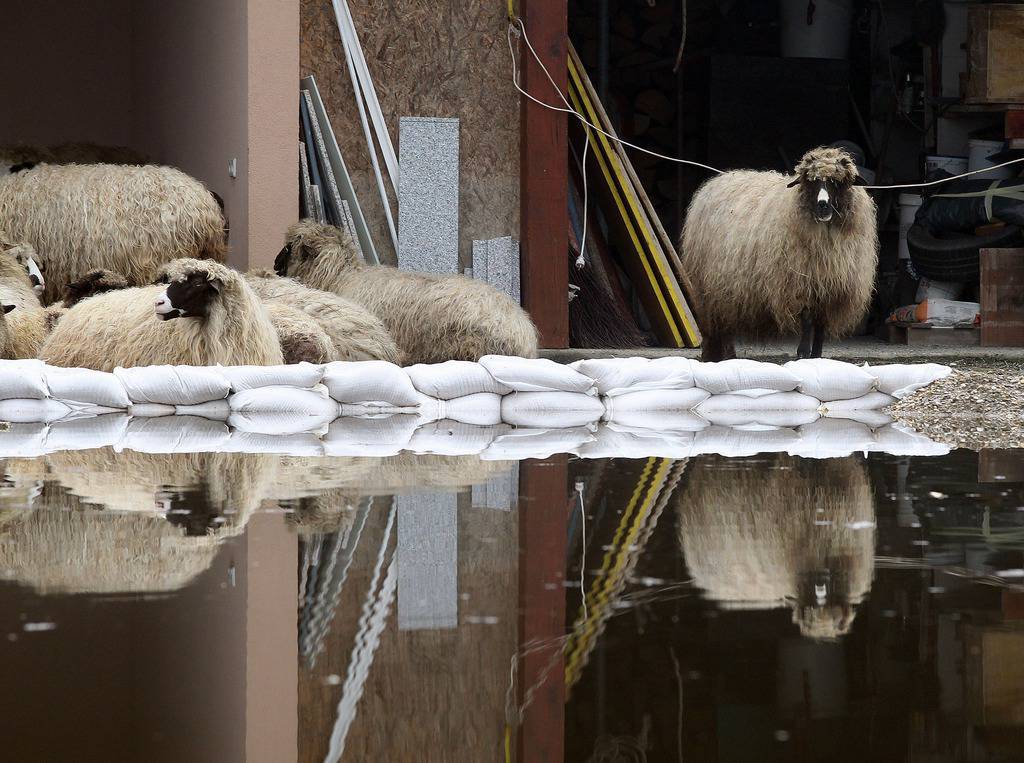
(543, 490)
(1002, 297)
(544, 167)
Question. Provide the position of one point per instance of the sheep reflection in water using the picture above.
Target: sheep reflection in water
(781, 532)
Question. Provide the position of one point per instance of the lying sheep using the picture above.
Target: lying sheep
(768, 254)
(92, 283)
(202, 314)
(356, 333)
(124, 218)
(432, 318)
(20, 282)
(783, 533)
(302, 338)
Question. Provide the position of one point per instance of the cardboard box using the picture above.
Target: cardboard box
(995, 53)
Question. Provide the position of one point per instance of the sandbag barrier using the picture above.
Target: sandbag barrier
(501, 407)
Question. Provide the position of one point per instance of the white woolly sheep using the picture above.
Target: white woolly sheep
(789, 533)
(768, 254)
(19, 284)
(356, 333)
(94, 282)
(205, 314)
(19, 157)
(432, 317)
(302, 339)
(124, 218)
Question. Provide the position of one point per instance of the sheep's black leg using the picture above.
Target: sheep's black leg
(728, 348)
(711, 348)
(806, 330)
(819, 339)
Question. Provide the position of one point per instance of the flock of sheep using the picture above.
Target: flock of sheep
(133, 261)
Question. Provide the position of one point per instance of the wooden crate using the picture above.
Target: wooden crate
(1002, 297)
(926, 335)
(995, 53)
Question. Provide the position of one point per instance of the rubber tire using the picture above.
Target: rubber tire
(955, 256)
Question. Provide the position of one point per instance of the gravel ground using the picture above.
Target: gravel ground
(977, 406)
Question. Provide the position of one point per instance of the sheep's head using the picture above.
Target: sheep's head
(825, 178)
(25, 256)
(92, 283)
(310, 246)
(823, 609)
(192, 289)
(6, 351)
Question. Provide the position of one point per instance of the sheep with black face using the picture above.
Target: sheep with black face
(771, 255)
(21, 282)
(200, 313)
(432, 317)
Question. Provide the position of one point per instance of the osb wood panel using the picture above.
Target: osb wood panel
(429, 58)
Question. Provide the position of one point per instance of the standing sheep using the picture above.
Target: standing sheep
(789, 533)
(205, 315)
(433, 318)
(124, 218)
(25, 319)
(356, 333)
(768, 254)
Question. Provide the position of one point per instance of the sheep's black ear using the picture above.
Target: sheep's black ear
(216, 284)
(8, 308)
(793, 184)
(858, 180)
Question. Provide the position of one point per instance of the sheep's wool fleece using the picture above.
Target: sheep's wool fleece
(756, 258)
(128, 219)
(433, 318)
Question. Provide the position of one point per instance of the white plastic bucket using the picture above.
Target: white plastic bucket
(828, 34)
(978, 153)
(909, 204)
(954, 165)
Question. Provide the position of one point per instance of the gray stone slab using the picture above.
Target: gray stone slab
(496, 261)
(329, 194)
(318, 203)
(349, 224)
(428, 561)
(304, 181)
(428, 194)
(500, 492)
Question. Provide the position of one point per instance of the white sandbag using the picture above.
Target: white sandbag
(282, 410)
(22, 380)
(482, 409)
(173, 385)
(832, 438)
(85, 385)
(612, 441)
(218, 410)
(900, 380)
(257, 442)
(453, 378)
(669, 409)
(452, 438)
(779, 409)
(87, 433)
(150, 410)
(899, 440)
(369, 381)
(550, 409)
(428, 408)
(177, 434)
(741, 374)
(828, 379)
(732, 442)
(617, 376)
(301, 375)
(520, 444)
(537, 375)
(30, 410)
(872, 401)
(23, 440)
(370, 436)
(870, 419)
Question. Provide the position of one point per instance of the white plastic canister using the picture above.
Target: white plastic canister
(954, 165)
(979, 152)
(909, 204)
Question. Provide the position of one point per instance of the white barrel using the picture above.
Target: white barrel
(909, 204)
(954, 165)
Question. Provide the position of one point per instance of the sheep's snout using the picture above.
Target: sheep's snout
(35, 275)
(823, 206)
(165, 310)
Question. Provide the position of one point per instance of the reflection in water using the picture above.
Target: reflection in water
(786, 532)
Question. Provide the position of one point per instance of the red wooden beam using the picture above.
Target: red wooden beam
(543, 518)
(543, 180)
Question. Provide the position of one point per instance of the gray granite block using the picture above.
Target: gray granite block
(428, 194)
(500, 492)
(428, 561)
(496, 261)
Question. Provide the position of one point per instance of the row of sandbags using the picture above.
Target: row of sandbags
(667, 393)
(383, 436)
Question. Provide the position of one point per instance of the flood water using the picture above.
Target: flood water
(228, 607)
